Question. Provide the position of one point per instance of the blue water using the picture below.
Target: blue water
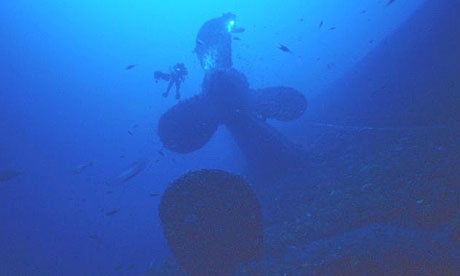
(68, 104)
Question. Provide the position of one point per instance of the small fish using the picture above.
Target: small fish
(131, 66)
(238, 30)
(79, 169)
(302, 19)
(332, 28)
(131, 172)
(284, 48)
(130, 133)
(8, 175)
(160, 152)
(330, 66)
(154, 194)
(96, 239)
(94, 236)
(236, 38)
(320, 24)
(118, 267)
(389, 2)
(112, 212)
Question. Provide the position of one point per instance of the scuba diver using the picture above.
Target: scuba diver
(176, 77)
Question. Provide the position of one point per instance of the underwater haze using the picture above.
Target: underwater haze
(83, 167)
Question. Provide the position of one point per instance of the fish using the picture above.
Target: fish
(154, 194)
(160, 152)
(320, 24)
(132, 171)
(8, 175)
(236, 38)
(238, 30)
(389, 2)
(112, 212)
(118, 267)
(79, 169)
(94, 236)
(130, 133)
(131, 66)
(332, 28)
(284, 48)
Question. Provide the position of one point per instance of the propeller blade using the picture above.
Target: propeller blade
(188, 125)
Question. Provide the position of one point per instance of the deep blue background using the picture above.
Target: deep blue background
(66, 100)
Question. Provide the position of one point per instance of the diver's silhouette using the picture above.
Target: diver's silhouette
(175, 77)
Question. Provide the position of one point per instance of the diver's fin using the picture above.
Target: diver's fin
(188, 125)
(279, 103)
